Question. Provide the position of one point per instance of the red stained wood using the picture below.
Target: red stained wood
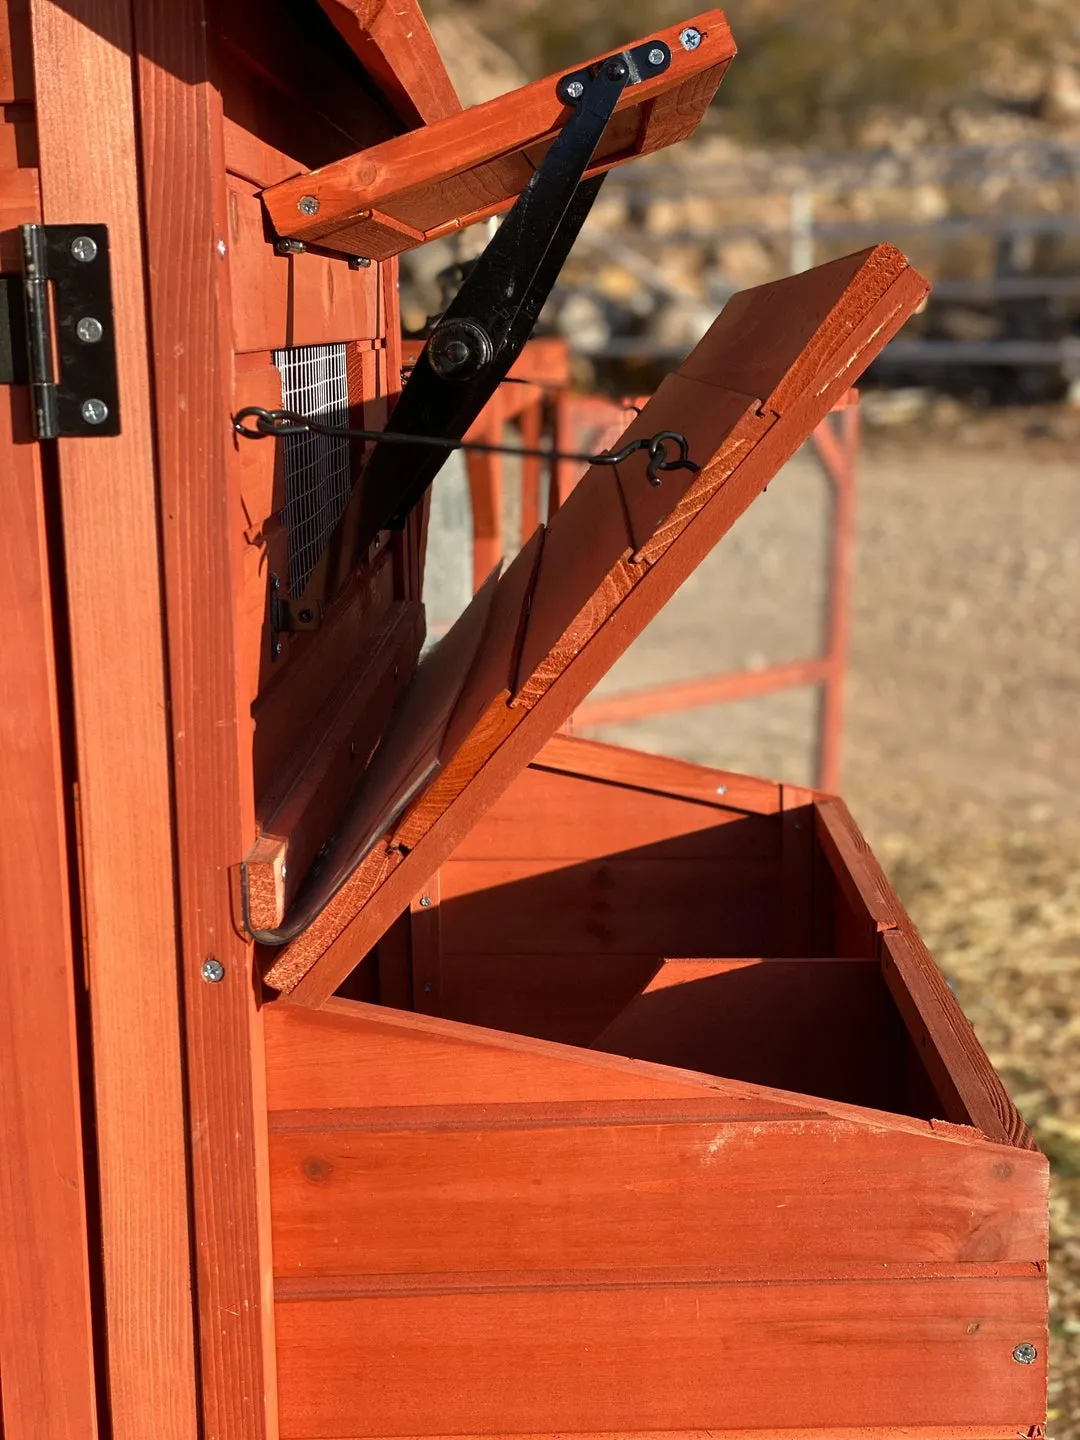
(473, 164)
(45, 1296)
(548, 815)
(634, 1356)
(853, 863)
(659, 774)
(619, 904)
(392, 40)
(112, 563)
(212, 799)
(621, 1191)
(16, 60)
(352, 1056)
(285, 300)
(591, 596)
(820, 1027)
(945, 1042)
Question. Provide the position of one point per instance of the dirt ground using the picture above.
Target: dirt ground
(962, 736)
(962, 743)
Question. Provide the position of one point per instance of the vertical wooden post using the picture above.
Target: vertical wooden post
(532, 429)
(83, 59)
(188, 262)
(45, 1311)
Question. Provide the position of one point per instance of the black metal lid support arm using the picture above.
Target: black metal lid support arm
(485, 327)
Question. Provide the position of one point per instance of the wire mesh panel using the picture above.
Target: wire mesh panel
(318, 476)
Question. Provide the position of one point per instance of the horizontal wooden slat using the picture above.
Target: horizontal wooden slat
(473, 164)
(351, 1055)
(633, 1358)
(546, 815)
(667, 906)
(663, 774)
(732, 1196)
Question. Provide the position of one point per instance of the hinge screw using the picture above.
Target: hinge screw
(276, 649)
(289, 247)
(425, 901)
(657, 56)
(89, 330)
(359, 262)
(94, 412)
(1025, 1354)
(307, 205)
(213, 972)
(690, 38)
(575, 89)
(84, 249)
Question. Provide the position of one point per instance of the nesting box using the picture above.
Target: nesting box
(378, 1060)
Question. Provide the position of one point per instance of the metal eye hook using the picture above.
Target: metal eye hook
(268, 423)
(658, 460)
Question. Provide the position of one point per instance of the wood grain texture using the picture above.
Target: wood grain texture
(957, 1064)
(45, 1296)
(392, 40)
(112, 562)
(295, 822)
(16, 55)
(471, 165)
(353, 1056)
(180, 132)
(593, 594)
(618, 1191)
(634, 1355)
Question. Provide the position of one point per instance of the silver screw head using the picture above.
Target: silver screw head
(690, 38)
(1025, 1354)
(575, 89)
(94, 412)
(213, 972)
(425, 901)
(84, 249)
(657, 56)
(308, 205)
(89, 330)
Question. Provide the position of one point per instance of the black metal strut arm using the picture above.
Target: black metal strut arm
(484, 329)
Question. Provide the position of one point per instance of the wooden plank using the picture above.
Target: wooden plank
(615, 904)
(568, 998)
(180, 132)
(296, 821)
(112, 563)
(473, 164)
(819, 1027)
(45, 1296)
(957, 1065)
(797, 867)
(547, 815)
(627, 597)
(16, 58)
(853, 863)
(662, 774)
(280, 301)
(395, 46)
(633, 1356)
(621, 1192)
(353, 1056)
(426, 949)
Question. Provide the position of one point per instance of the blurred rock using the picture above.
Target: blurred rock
(479, 68)
(895, 407)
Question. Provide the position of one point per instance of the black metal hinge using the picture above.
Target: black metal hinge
(57, 333)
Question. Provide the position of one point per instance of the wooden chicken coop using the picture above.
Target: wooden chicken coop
(377, 1060)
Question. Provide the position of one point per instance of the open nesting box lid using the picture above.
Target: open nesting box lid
(536, 638)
